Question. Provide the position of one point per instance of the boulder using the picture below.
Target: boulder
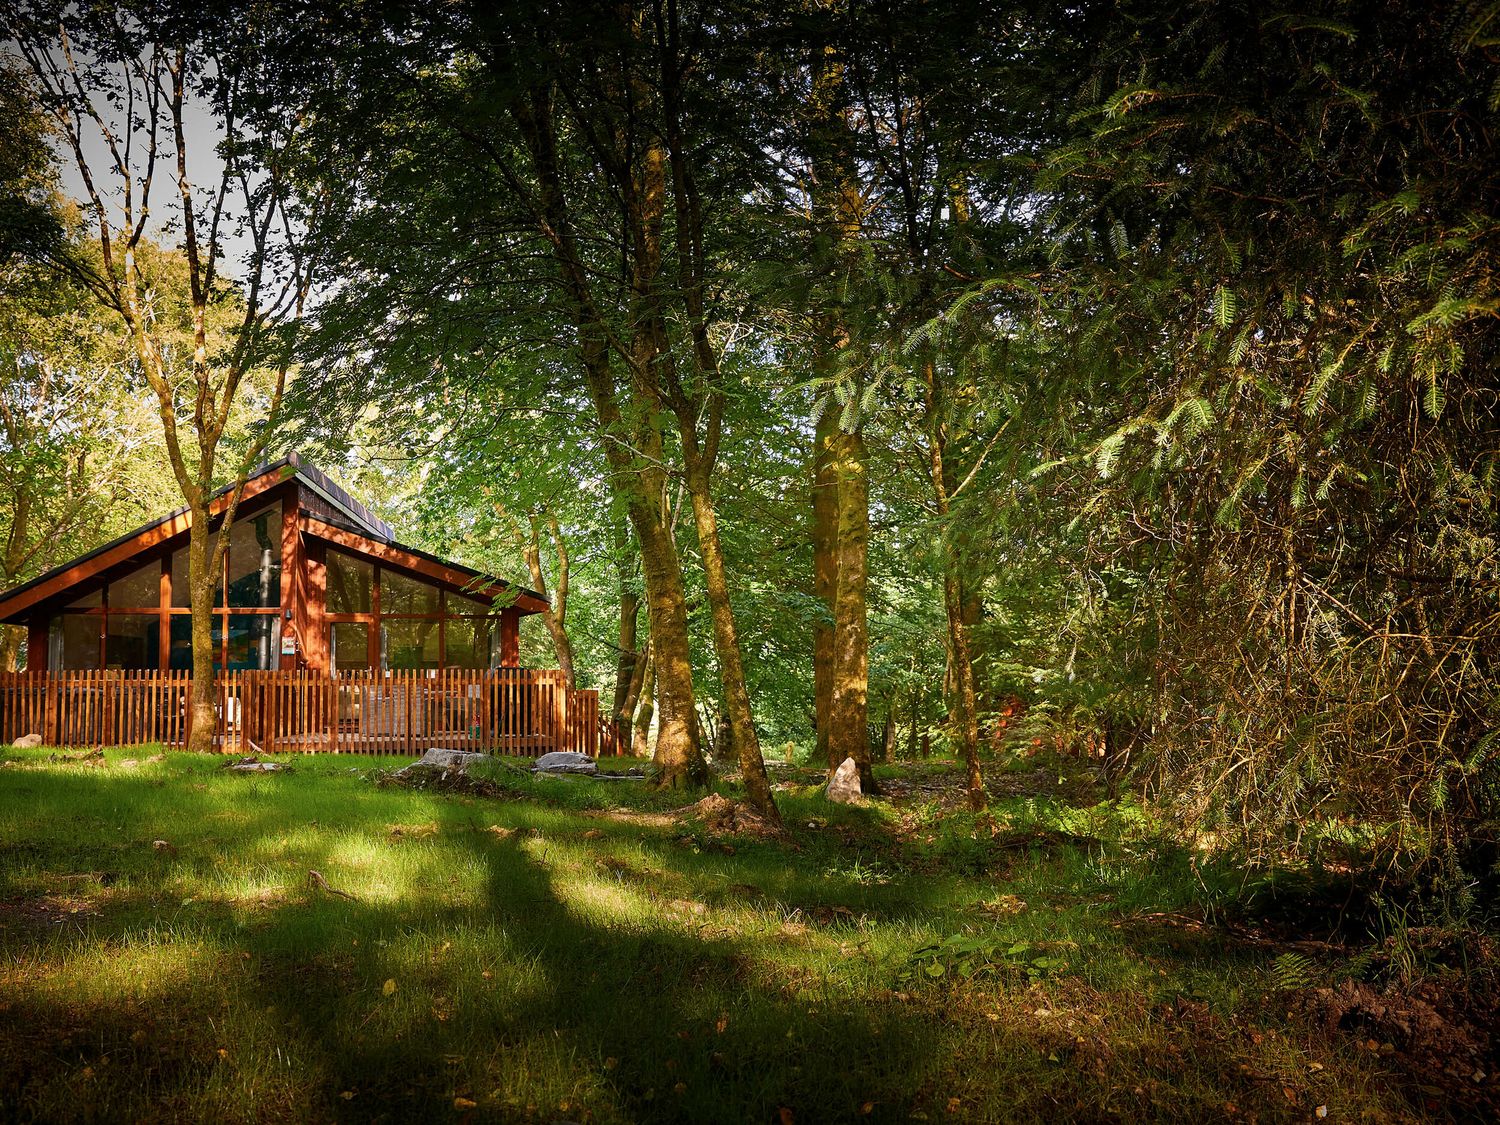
(27, 742)
(459, 760)
(252, 764)
(565, 761)
(844, 786)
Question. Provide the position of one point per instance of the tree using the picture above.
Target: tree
(77, 463)
(70, 433)
(123, 83)
(580, 150)
(1272, 319)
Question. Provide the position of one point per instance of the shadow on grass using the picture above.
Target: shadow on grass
(532, 996)
(561, 969)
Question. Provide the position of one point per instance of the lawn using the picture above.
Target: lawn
(574, 950)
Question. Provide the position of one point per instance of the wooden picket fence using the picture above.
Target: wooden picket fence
(509, 711)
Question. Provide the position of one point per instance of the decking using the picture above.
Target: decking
(509, 710)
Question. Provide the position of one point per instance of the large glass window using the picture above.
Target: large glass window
(182, 593)
(409, 643)
(402, 595)
(252, 641)
(92, 600)
(180, 650)
(349, 645)
(74, 641)
(458, 603)
(254, 579)
(350, 582)
(469, 642)
(132, 640)
(140, 589)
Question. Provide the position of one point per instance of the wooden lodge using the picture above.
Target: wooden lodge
(328, 634)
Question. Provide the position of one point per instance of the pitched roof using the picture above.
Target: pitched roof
(347, 513)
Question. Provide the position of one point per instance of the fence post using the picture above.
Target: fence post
(50, 732)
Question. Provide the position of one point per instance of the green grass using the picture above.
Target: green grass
(569, 953)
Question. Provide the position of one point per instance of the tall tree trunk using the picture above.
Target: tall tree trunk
(825, 500)
(741, 716)
(960, 663)
(555, 616)
(967, 705)
(628, 661)
(678, 759)
(640, 741)
(841, 524)
(202, 585)
(848, 711)
(625, 715)
(627, 658)
(634, 451)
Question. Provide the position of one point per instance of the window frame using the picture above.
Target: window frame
(375, 617)
(164, 610)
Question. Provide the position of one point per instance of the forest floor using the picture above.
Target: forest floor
(573, 950)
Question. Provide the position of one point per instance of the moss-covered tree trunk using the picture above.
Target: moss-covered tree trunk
(848, 709)
(825, 575)
(745, 742)
(633, 445)
(640, 736)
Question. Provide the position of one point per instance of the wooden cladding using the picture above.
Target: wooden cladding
(506, 711)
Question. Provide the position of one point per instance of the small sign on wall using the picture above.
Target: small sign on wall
(288, 646)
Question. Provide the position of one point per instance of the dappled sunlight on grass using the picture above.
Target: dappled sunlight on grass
(132, 971)
(544, 961)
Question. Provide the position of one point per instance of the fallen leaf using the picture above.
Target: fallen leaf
(389, 988)
(464, 1103)
(1321, 1111)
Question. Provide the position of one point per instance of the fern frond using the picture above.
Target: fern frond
(1224, 306)
(1433, 400)
(1292, 972)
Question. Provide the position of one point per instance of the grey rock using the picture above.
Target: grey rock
(844, 786)
(459, 760)
(565, 761)
(27, 742)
